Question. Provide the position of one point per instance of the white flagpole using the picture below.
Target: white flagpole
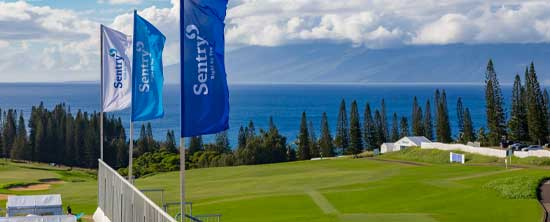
(101, 95)
(131, 152)
(182, 177)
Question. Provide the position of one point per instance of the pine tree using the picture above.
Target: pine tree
(304, 152)
(394, 128)
(356, 140)
(371, 133)
(326, 145)
(342, 129)
(417, 123)
(314, 145)
(469, 134)
(222, 142)
(537, 119)
(383, 114)
(404, 127)
(242, 138)
(20, 149)
(250, 131)
(195, 145)
(378, 122)
(496, 117)
(517, 124)
(460, 115)
(443, 125)
(428, 124)
(9, 133)
(170, 142)
(142, 143)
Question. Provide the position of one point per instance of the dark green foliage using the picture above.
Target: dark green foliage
(469, 134)
(517, 125)
(268, 147)
(428, 124)
(169, 144)
(417, 120)
(222, 142)
(20, 150)
(371, 133)
(394, 128)
(460, 115)
(443, 127)
(9, 132)
(496, 117)
(378, 122)
(383, 114)
(342, 128)
(304, 152)
(537, 110)
(326, 145)
(195, 145)
(241, 138)
(314, 144)
(404, 126)
(482, 137)
(356, 140)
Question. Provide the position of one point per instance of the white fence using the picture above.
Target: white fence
(484, 150)
(120, 201)
(464, 148)
(535, 153)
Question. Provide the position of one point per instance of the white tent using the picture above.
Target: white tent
(63, 218)
(35, 205)
(403, 143)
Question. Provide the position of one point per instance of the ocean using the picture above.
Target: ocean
(258, 102)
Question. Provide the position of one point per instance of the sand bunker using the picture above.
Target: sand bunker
(52, 181)
(33, 187)
(3, 196)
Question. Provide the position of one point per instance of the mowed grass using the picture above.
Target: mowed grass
(318, 191)
(78, 189)
(352, 190)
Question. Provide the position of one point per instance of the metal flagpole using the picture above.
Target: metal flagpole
(182, 139)
(182, 177)
(101, 95)
(131, 152)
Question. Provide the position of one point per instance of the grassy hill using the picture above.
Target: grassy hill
(327, 190)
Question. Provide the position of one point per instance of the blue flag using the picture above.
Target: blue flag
(205, 96)
(147, 76)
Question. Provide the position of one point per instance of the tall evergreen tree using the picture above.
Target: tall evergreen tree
(222, 142)
(417, 121)
(241, 138)
(394, 128)
(9, 133)
(378, 122)
(313, 143)
(371, 133)
(384, 115)
(250, 130)
(170, 142)
(326, 145)
(356, 140)
(20, 149)
(195, 145)
(404, 127)
(428, 124)
(517, 124)
(304, 152)
(443, 125)
(460, 115)
(342, 129)
(469, 134)
(537, 119)
(496, 117)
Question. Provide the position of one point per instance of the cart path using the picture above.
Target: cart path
(322, 202)
(545, 198)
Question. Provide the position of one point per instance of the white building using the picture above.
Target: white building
(409, 141)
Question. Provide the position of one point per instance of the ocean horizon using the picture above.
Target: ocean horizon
(257, 102)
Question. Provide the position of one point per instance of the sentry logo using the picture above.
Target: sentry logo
(119, 67)
(205, 59)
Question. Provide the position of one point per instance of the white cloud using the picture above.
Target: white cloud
(4, 44)
(119, 2)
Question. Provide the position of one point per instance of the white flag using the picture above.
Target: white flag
(117, 70)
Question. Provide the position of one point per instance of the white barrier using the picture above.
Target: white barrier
(120, 201)
(464, 148)
(535, 153)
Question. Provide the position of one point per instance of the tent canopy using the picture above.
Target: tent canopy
(33, 201)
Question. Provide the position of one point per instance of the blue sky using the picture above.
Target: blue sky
(57, 40)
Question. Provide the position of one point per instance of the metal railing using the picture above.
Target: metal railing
(123, 202)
